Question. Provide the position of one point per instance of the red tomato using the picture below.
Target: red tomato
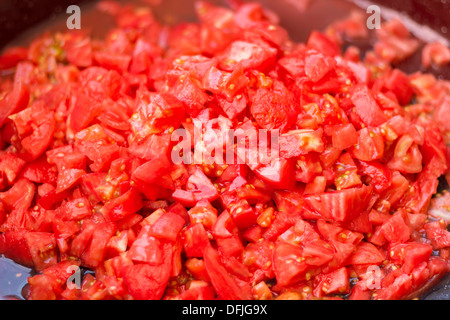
(396, 229)
(89, 131)
(14, 101)
(344, 136)
(148, 282)
(122, 206)
(225, 285)
(366, 253)
(273, 109)
(370, 145)
(334, 282)
(410, 255)
(317, 65)
(367, 107)
(343, 205)
(288, 264)
(195, 240)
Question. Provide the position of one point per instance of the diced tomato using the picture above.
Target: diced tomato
(148, 282)
(317, 65)
(224, 226)
(273, 109)
(12, 56)
(19, 196)
(146, 248)
(122, 206)
(318, 252)
(167, 226)
(367, 107)
(225, 285)
(288, 265)
(380, 176)
(410, 255)
(298, 142)
(195, 240)
(440, 236)
(322, 43)
(370, 145)
(10, 166)
(33, 249)
(341, 205)
(248, 55)
(35, 126)
(334, 282)
(316, 177)
(278, 173)
(396, 230)
(76, 209)
(344, 136)
(366, 253)
(79, 52)
(14, 101)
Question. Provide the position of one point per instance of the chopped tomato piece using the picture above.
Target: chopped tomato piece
(341, 205)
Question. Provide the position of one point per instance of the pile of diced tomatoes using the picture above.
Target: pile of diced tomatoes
(348, 210)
